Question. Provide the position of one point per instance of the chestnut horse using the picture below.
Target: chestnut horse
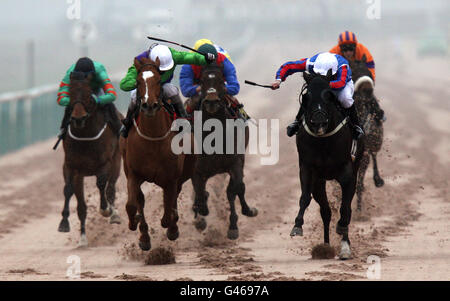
(91, 148)
(148, 157)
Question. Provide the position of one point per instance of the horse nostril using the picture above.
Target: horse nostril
(154, 105)
(145, 105)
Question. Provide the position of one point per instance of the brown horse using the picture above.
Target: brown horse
(91, 148)
(370, 115)
(148, 157)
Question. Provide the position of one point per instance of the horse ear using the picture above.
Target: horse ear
(307, 77)
(137, 63)
(364, 58)
(157, 62)
(329, 74)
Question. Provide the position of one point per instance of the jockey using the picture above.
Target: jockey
(169, 58)
(104, 92)
(219, 49)
(190, 76)
(349, 48)
(342, 85)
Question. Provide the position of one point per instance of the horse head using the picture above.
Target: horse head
(82, 104)
(149, 94)
(321, 103)
(212, 88)
(362, 77)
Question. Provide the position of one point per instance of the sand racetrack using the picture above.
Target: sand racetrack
(405, 223)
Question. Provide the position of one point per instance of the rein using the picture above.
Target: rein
(150, 138)
(336, 129)
(86, 138)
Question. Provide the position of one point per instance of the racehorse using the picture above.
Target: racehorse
(370, 115)
(148, 157)
(91, 148)
(324, 144)
(227, 156)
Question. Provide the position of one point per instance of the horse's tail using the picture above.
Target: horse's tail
(364, 79)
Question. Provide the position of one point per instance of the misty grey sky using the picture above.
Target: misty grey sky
(122, 26)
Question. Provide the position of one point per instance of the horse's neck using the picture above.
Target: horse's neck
(155, 126)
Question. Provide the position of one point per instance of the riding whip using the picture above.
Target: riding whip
(255, 84)
(181, 45)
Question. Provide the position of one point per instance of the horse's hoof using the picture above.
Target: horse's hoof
(114, 219)
(64, 226)
(252, 212)
(341, 230)
(107, 212)
(200, 223)
(379, 182)
(345, 253)
(172, 235)
(132, 226)
(145, 246)
(297, 231)
(83, 243)
(233, 234)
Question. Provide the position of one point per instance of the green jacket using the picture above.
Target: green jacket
(101, 80)
(128, 83)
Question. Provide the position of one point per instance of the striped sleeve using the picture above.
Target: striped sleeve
(63, 98)
(341, 81)
(289, 68)
(110, 92)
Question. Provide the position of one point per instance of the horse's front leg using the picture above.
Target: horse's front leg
(105, 207)
(133, 188)
(360, 182)
(64, 225)
(111, 188)
(306, 179)
(200, 206)
(170, 217)
(376, 174)
(347, 180)
(78, 188)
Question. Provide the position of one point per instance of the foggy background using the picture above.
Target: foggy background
(122, 26)
(39, 42)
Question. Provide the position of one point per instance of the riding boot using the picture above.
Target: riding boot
(128, 121)
(64, 123)
(354, 121)
(293, 128)
(178, 106)
(114, 120)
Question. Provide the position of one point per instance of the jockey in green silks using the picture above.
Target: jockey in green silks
(169, 58)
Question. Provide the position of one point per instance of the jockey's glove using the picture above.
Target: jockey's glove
(95, 97)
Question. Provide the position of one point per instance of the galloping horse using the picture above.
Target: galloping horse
(370, 114)
(91, 149)
(147, 155)
(324, 144)
(227, 157)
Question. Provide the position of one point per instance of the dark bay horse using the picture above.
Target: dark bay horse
(227, 154)
(324, 145)
(148, 157)
(370, 114)
(91, 148)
